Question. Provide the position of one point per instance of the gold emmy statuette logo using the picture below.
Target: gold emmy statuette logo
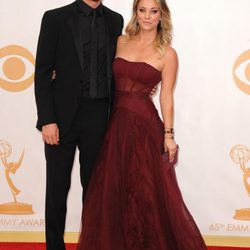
(241, 72)
(16, 68)
(14, 207)
(240, 154)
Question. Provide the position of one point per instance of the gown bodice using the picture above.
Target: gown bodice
(135, 77)
(133, 84)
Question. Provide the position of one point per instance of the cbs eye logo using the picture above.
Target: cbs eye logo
(16, 68)
(241, 72)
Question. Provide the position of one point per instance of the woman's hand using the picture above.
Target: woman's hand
(170, 146)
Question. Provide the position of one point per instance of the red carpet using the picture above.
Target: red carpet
(41, 246)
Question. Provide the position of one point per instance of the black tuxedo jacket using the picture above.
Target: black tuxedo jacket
(60, 48)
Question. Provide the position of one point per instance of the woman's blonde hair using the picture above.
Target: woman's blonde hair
(164, 30)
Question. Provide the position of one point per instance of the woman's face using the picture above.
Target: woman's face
(148, 14)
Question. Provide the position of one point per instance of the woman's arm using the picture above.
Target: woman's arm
(169, 73)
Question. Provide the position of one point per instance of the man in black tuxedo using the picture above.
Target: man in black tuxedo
(78, 41)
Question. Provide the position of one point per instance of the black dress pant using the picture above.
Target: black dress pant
(86, 133)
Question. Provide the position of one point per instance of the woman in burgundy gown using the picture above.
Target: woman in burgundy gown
(133, 200)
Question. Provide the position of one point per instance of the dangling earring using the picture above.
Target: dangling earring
(137, 25)
(159, 25)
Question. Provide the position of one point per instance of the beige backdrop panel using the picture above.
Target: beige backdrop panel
(212, 116)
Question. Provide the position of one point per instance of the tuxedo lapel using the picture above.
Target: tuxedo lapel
(74, 24)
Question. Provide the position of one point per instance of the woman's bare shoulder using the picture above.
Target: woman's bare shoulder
(170, 56)
(170, 53)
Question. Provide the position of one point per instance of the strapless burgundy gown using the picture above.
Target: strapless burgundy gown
(133, 201)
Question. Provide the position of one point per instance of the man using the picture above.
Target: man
(78, 41)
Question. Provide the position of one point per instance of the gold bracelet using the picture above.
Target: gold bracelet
(169, 130)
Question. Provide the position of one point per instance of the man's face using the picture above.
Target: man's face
(92, 1)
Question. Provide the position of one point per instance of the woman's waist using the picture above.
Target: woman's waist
(139, 103)
(132, 94)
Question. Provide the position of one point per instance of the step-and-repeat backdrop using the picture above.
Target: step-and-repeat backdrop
(212, 110)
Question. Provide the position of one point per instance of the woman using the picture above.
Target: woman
(133, 201)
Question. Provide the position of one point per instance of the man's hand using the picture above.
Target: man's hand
(153, 91)
(53, 77)
(50, 134)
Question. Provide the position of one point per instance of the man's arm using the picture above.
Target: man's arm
(45, 64)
